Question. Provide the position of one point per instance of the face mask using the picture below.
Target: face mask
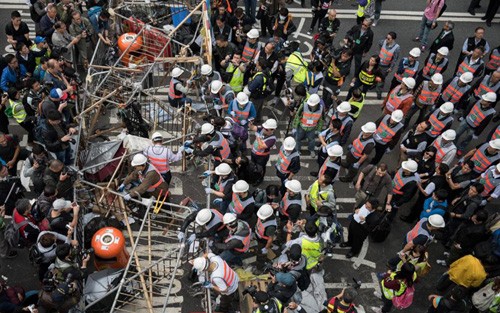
(282, 17)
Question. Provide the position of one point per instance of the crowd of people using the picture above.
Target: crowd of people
(445, 188)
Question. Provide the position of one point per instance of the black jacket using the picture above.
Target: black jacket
(446, 41)
(362, 44)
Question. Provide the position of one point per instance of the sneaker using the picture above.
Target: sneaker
(446, 254)
(275, 247)
(441, 262)
(12, 254)
(423, 48)
(377, 294)
(376, 309)
(416, 39)
(374, 23)
(313, 154)
(309, 31)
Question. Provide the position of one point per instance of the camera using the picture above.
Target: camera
(268, 267)
(72, 140)
(251, 290)
(84, 253)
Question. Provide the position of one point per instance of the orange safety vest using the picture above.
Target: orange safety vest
(477, 115)
(466, 67)
(255, 147)
(345, 121)
(237, 206)
(483, 88)
(358, 146)
(244, 239)
(386, 55)
(489, 181)
(418, 230)
(328, 164)
(310, 118)
(385, 133)
(432, 68)
(481, 161)
(248, 52)
(241, 114)
(159, 160)
(217, 218)
(288, 202)
(496, 134)
(394, 101)
(221, 142)
(438, 125)
(441, 151)
(151, 168)
(453, 93)
(284, 160)
(494, 61)
(260, 228)
(427, 96)
(400, 181)
(409, 71)
(172, 92)
(228, 277)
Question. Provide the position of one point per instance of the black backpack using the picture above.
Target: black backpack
(41, 129)
(35, 255)
(380, 232)
(11, 233)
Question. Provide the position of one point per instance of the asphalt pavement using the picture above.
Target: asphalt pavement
(403, 17)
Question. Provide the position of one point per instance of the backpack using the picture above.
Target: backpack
(380, 232)
(35, 256)
(239, 132)
(483, 298)
(333, 306)
(95, 10)
(404, 300)
(11, 233)
(255, 172)
(41, 129)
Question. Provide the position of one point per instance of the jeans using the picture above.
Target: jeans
(425, 28)
(464, 130)
(250, 9)
(318, 16)
(378, 9)
(231, 258)
(310, 135)
(64, 156)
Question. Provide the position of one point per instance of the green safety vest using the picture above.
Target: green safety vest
(359, 105)
(389, 294)
(297, 64)
(18, 112)
(314, 195)
(236, 82)
(278, 303)
(312, 251)
(361, 10)
(264, 86)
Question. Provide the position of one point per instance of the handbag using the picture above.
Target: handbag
(483, 298)
(405, 300)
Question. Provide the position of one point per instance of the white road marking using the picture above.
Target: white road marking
(361, 256)
(342, 257)
(299, 28)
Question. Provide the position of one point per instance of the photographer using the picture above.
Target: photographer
(28, 230)
(99, 18)
(11, 152)
(58, 137)
(65, 9)
(34, 166)
(54, 75)
(60, 217)
(63, 41)
(33, 97)
(57, 177)
(282, 287)
(46, 244)
(262, 303)
(81, 26)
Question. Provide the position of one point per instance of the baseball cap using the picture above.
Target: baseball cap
(60, 204)
(57, 93)
(39, 39)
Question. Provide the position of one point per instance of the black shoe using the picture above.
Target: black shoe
(379, 95)
(345, 179)
(344, 245)
(488, 23)
(478, 6)
(11, 255)
(484, 18)
(405, 219)
(349, 255)
(471, 12)
(314, 174)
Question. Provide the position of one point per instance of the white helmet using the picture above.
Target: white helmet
(495, 144)
(241, 186)
(223, 169)
(203, 216)
(443, 51)
(450, 135)
(344, 107)
(253, 34)
(289, 143)
(437, 79)
(446, 107)
(397, 116)
(206, 69)
(436, 220)
(369, 128)
(229, 218)
(490, 97)
(410, 165)
(415, 52)
(139, 159)
(466, 77)
(156, 136)
(265, 212)
(294, 185)
(409, 82)
(176, 72)
(335, 151)
(313, 100)
(207, 128)
(200, 264)
(242, 98)
(270, 124)
(215, 86)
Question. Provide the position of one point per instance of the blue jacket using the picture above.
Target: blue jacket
(9, 77)
(432, 206)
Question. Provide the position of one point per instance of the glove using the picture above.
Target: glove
(187, 143)
(388, 150)
(217, 201)
(474, 137)
(207, 284)
(263, 250)
(233, 113)
(188, 150)
(203, 98)
(208, 190)
(355, 165)
(243, 122)
(180, 236)
(181, 149)
(207, 173)
(294, 131)
(127, 197)
(121, 188)
(190, 239)
(349, 147)
(217, 106)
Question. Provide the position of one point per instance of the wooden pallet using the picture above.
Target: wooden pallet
(246, 302)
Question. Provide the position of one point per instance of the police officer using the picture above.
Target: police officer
(238, 240)
(264, 141)
(437, 63)
(223, 188)
(242, 202)
(407, 67)
(266, 227)
(177, 90)
(359, 151)
(222, 279)
(387, 134)
(456, 89)
(426, 97)
(490, 83)
(209, 220)
(208, 75)
(389, 55)
(149, 178)
(308, 121)
(288, 163)
(328, 138)
(491, 181)
(216, 144)
(161, 157)
(259, 85)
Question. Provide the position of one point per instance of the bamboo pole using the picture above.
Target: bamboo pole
(114, 68)
(90, 108)
(184, 132)
(150, 272)
(195, 59)
(104, 192)
(101, 132)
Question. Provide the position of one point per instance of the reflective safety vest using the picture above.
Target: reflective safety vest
(428, 96)
(399, 181)
(361, 9)
(395, 100)
(465, 66)
(172, 92)
(260, 227)
(298, 66)
(484, 87)
(385, 133)
(389, 294)
(226, 273)
(358, 104)
(409, 70)
(310, 118)
(222, 97)
(453, 92)
(158, 156)
(284, 160)
(386, 54)
(18, 112)
(264, 85)
(359, 144)
(220, 142)
(286, 201)
(240, 113)
(237, 206)
(244, 236)
(418, 230)
(317, 194)
(330, 74)
(438, 123)
(496, 134)
(345, 121)
(151, 168)
(217, 218)
(489, 181)
(431, 67)
(312, 251)
(255, 148)
(279, 306)
(329, 164)
(477, 115)
(481, 160)
(236, 81)
(494, 61)
(366, 78)
(442, 151)
(222, 183)
(249, 52)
